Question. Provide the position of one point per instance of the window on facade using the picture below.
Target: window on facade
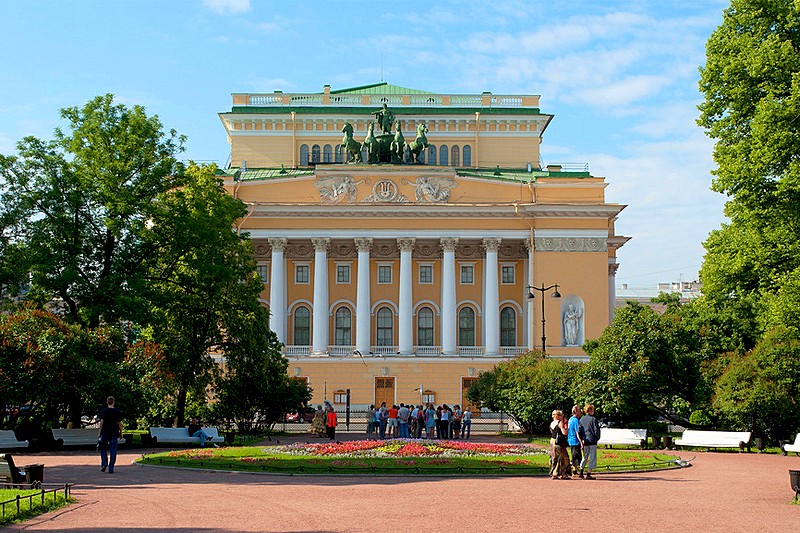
(342, 273)
(385, 324)
(429, 397)
(263, 273)
(327, 154)
(384, 273)
(343, 327)
(431, 155)
(455, 156)
(508, 274)
(426, 274)
(467, 274)
(303, 155)
(466, 327)
(508, 327)
(339, 153)
(467, 155)
(443, 155)
(425, 327)
(302, 326)
(315, 154)
(340, 396)
(301, 274)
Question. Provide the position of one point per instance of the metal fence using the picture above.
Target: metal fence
(17, 502)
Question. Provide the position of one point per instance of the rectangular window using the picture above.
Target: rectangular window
(301, 274)
(342, 273)
(429, 397)
(509, 274)
(426, 274)
(384, 273)
(467, 274)
(339, 397)
(263, 273)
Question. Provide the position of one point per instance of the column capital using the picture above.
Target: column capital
(277, 244)
(529, 245)
(491, 244)
(612, 269)
(449, 243)
(363, 244)
(321, 244)
(406, 244)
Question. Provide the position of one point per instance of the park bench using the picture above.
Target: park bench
(9, 440)
(159, 435)
(792, 447)
(714, 439)
(78, 437)
(631, 437)
(20, 477)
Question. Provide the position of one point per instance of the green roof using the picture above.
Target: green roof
(265, 173)
(380, 88)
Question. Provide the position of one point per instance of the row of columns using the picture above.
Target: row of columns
(320, 326)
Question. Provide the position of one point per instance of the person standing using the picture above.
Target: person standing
(370, 420)
(559, 468)
(466, 424)
(575, 440)
(110, 432)
(430, 422)
(383, 420)
(591, 436)
(318, 423)
(403, 415)
(393, 425)
(332, 422)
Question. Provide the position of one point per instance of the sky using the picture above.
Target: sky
(619, 76)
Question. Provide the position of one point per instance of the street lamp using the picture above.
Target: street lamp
(543, 290)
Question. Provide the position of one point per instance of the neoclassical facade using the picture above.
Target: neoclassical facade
(401, 282)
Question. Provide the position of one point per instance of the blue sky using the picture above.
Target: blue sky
(619, 76)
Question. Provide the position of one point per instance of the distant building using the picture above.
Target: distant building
(689, 290)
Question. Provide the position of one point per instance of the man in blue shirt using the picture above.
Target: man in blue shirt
(575, 440)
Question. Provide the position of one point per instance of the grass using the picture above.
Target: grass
(29, 507)
(395, 457)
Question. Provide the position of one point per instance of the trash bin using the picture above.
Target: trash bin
(668, 442)
(794, 479)
(34, 474)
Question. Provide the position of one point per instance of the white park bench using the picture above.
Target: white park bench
(792, 447)
(9, 440)
(714, 439)
(78, 437)
(630, 437)
(161, 435)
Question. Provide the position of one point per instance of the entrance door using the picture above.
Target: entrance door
(466, 383)
(384, 391)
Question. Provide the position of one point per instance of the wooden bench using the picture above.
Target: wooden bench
(630, 437)
(9, 440)
(78, 437)
(159, 435)
(792, 447)
(714, 439)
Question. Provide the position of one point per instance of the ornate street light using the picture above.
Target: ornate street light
(543, 290)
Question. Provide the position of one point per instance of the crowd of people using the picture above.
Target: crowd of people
(573, 443)
(414, 421)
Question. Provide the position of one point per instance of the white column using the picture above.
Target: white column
(491, 310)
(529, 319)
(319, 340)
(363, 301)
(448, 319)
(277, 289)
(612, 287)
(405, 322)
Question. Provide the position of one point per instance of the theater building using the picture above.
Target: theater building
(401, 278)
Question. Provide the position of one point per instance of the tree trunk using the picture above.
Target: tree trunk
(180, 408)
(74, 414)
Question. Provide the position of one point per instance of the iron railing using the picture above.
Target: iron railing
(484, 423)
(17, 501)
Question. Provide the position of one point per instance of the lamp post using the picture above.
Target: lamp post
(543, 290)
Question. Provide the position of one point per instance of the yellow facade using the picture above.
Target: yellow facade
(382, 278)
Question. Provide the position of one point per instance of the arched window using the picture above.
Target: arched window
(315, 154)
(466, 327)
(385, 323)
(443, 155)
(455, 157)
(339, 153)
(302, 326)
(425, 327)
(343, 327)
(508, 327)
(431, 155)
(303, 155)
(327, 154)
(467, 155)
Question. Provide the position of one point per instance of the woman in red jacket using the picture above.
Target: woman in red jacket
(331, 425)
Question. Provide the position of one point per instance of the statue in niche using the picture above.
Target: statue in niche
(572, 324)
(416, 146)
(385, 119)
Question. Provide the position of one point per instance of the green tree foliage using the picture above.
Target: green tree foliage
(80, 203)
(761, 391)
(528, 388)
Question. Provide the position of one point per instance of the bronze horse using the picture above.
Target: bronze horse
(352, 146)
(416, 146)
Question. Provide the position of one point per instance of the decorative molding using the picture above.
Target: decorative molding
(335, 189)
(277, 244)
(491, 244)
(385, 191)
(514, 250)
(432, 189)
(469, 249)
(570, 244)
(301, 249)
(363, 244)
(385, 248)
(260, 248)
(612, 269)
(344, 248)
(406, 244)
(320, 244)
(449, 244)
(426, 249)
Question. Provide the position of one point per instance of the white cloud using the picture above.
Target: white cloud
(227, 6)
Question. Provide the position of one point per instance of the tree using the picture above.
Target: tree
(81, 202)
(528, 388)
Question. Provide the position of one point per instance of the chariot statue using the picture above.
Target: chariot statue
(352, 146)
(398, 146)
(416, 146)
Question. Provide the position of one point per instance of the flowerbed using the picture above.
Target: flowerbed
(406, 448)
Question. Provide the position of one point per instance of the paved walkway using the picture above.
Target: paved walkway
(721, 492)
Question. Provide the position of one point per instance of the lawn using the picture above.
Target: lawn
(28, 507)
(398, 456)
